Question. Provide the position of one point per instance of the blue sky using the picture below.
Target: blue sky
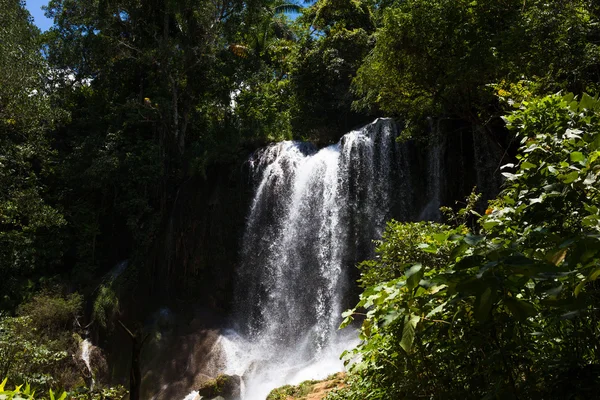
(35, 9)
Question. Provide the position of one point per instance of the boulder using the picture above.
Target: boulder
(227, 387)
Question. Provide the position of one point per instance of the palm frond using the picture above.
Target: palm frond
(287, 8)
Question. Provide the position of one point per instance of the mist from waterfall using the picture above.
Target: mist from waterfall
(314, 214)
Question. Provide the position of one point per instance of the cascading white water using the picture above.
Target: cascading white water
(313, 215)
(86, 350)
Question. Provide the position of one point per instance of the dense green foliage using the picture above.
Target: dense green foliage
(106, 116)
(508, 309)
(39, 348)
(35, 346)
(28, 221)
(439, 57)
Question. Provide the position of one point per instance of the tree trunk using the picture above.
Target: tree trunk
(135, 373)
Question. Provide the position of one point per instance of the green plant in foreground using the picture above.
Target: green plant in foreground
(507, 309)
(25, 393)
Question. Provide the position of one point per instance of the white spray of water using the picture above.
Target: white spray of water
(313, 215)
(192, 396)
(86, 350)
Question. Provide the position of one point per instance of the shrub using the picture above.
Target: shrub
(511, 312)
(35, 346)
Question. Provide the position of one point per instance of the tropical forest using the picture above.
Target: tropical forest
(299, 199)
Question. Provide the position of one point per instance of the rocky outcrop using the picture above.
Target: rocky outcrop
(227, 387)
(309, 390)
(181, 361)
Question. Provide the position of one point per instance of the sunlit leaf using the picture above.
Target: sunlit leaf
(408, 332)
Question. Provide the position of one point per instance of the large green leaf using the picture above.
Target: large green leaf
(587, 102)
(577, 156)
(408, 332)
(414, 275)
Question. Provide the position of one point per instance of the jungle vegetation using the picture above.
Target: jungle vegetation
(104, 116)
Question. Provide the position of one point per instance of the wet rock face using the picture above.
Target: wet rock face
(226, 387)
(195, 255)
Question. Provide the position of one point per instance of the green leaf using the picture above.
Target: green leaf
(577, 156)
(522, 265)
(473, 240)
(590, 220)
(428, 248)
(441, 237)
(520, 309)
(408, 332)
(490, 223)
(579, 287)
(459, 250)
(436, 310)
(483, 304)
(413, 276)
(570, 177)
(468, 262)
(569, 97)
(587, 102)
(594, 275)
(391, 317)
(527, 165)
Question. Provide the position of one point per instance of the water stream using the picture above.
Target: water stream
(86, 350)
(314, 214)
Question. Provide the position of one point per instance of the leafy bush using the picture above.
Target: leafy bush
(401, 246)
(52, 314)
(27, 393)
(511, 313)
(35, 346)
(106, 306)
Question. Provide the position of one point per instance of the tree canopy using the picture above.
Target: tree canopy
(105, 118)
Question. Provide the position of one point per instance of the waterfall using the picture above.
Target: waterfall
(314, 214)
(86, 350)
(435, 175)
